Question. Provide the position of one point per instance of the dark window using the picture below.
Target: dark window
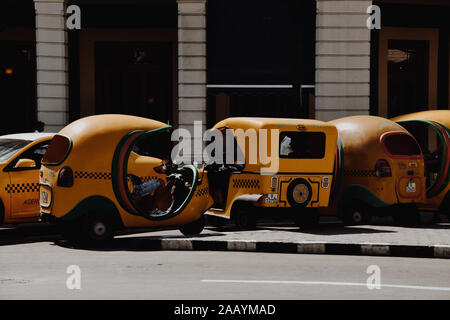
(34, 153)
(401, 144)
(57, 150)
(9, 147)
(134, 78)
(158, 145)
(302, 145)
(407, 76)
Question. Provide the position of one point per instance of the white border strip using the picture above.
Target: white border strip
(249, 86)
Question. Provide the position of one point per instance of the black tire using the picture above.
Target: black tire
(445, 206)
(299, 193)
(2, 213)
(244, 217)
(193, 228)
(406, 216)
(355, 213)
(97, 228)
(216, 222)
(306, 219)
(70, 231)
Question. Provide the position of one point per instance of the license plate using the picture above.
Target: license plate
(271, 198)
(411, 187)
(44, 197)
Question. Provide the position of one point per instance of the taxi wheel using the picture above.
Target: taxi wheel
(307, 218)
(70, 231)
(356, 213)
(216, 222)
(97, 228)
(299, 193)
(244, 217)
(445, 207)
(2, 212)
(406, 216)
(193, 228)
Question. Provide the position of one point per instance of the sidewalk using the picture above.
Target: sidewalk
(379, 239)
(428, 241)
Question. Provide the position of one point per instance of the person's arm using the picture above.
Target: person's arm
(146, 188)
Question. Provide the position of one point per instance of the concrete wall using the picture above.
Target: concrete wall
(51, 64)
(342, 59)
(192, 65)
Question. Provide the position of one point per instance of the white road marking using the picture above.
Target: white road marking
(355, 284)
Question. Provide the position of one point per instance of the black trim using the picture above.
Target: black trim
(318, 190)
(279, 191)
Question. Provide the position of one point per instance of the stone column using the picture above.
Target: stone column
(51, 64)
(192, 66)
(342, 59)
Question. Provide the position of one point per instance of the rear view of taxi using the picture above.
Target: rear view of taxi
(432, 131)
(383, 171)
(106, 172)
(20, 160)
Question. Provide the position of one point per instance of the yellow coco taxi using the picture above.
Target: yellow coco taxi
(432, 131)
(95, 173)
(285, 163)
(20, 160)
(382, 171)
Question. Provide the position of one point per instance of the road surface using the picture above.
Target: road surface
(39, 271)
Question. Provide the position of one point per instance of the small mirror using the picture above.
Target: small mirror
(25, 163)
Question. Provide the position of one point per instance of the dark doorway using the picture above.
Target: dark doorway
(17, 86)
(407, 76)
(134, 79)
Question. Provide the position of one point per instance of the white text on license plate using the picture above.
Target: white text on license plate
(411, 187)
(44, 196)
(271, 198)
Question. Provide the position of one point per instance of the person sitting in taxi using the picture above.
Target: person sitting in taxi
(152, 196)
(146, 188)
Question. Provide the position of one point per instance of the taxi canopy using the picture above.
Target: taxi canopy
(315, 149)
(441, 116)
(363, 140)
(91, 142)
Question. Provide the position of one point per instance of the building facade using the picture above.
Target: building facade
(196, 60)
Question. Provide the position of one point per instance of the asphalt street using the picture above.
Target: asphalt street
(39, 271)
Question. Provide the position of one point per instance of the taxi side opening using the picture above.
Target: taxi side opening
(160, 189)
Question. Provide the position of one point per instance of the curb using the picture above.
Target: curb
(363, 249)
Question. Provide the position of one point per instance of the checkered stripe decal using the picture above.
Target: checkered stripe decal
(202, 192)
(22, 187)
(360, 173)
(93, 175)
(147, 178)
(246, 183)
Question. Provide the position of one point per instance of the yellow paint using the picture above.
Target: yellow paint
(94, 141)
(442, 117)
(19, 189)
(252, 181)
(362, 147)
